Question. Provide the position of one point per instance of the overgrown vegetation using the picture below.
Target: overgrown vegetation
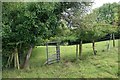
(27, 25)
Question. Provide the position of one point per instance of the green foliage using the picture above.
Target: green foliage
(78, 27)
(108, 13)
(88, 28)
(32, 24)
(98, 23)
(27, 24)
(119, 20)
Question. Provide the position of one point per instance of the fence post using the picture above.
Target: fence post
(77, 51)
(58, 52)
(47, 52)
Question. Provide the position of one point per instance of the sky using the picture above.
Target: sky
(98, 3)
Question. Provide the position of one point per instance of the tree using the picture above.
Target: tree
(109, 13)
(92, 29)
(23, 23)
(78, 23)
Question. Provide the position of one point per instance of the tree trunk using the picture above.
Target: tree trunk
(113, 37)
(16, 59)
(80, 50)
(20, 51)
(93, 45)
(77, 51)
(26, 62)
(8, 62)
(108, 45)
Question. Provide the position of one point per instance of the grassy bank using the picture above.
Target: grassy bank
(103, 65)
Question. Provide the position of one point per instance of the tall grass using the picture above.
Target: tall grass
(103, 65)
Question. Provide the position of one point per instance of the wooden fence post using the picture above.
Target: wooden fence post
(47, 51)
(77, 51)
(113, 37)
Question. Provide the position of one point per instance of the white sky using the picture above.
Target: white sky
(98, 3)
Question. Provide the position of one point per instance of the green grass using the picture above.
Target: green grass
(103, 65)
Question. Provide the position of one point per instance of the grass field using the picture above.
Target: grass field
(103, 65)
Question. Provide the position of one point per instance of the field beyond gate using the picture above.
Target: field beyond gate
(103, 65)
